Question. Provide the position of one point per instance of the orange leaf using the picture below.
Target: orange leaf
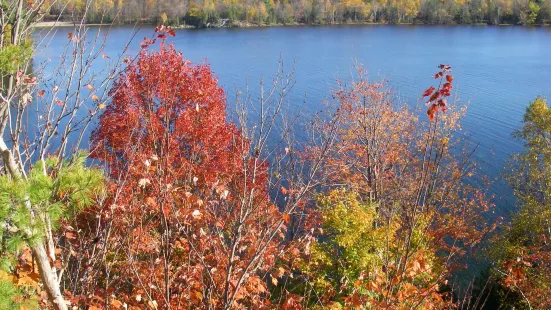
(70, 235)
(150, 201)
(116, 304)
(286, 217)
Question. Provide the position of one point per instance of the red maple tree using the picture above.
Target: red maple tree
(191, 220)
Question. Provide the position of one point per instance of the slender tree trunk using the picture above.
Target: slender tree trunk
(15, 30)
(48, 276)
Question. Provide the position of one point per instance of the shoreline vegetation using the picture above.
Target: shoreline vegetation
(261, 13)
(241, 24)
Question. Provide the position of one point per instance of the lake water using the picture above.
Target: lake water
(498, 70)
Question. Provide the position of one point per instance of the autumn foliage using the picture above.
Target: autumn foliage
(192, 224)
(187, 220)
(184, 208)
(406, 216)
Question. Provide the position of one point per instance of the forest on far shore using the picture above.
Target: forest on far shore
(242, 13)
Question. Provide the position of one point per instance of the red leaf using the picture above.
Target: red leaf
(428, 92)
(171, 32)
(41, 93)
(449, 78)
(146, 42)
(431, 112)
(29, 80)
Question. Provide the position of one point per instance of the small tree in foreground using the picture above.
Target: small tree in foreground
(522, 254)
(402, 178)
(190, 220)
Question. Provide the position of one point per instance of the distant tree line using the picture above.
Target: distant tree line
(201, 13)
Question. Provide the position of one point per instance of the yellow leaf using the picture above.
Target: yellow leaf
(7, 276)
(198, 295)
(27, 281)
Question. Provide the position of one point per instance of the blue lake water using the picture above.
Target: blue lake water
(497, 70)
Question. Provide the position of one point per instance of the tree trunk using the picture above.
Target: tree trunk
(49, 277)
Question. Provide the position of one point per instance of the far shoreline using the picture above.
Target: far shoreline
(241, 24)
